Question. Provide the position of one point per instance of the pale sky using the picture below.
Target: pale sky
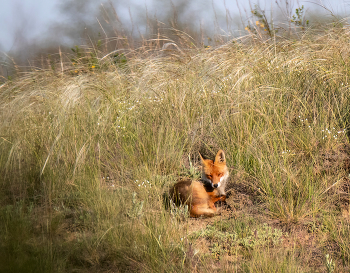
(32, 18)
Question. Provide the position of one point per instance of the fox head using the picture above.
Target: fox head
(215, 173)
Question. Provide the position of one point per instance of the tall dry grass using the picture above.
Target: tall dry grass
(87, 153)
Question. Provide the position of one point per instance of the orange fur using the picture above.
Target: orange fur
(201, 196)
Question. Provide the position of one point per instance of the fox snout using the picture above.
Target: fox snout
(216, 185)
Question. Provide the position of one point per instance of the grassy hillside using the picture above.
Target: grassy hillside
(89, 147)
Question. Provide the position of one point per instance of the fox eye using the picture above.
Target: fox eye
(210, 177)
(220, 174)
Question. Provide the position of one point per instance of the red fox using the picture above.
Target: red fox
(202, 195)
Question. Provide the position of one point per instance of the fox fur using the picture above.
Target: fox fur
(202, 195)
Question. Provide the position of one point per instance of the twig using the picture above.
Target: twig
(332, 185)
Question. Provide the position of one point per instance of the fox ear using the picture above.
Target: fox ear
(220, 157)
(205, 162)
(202, 159)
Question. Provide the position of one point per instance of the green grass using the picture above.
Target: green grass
(87, 154)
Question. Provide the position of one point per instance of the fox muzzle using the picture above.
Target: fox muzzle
(216, 185)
